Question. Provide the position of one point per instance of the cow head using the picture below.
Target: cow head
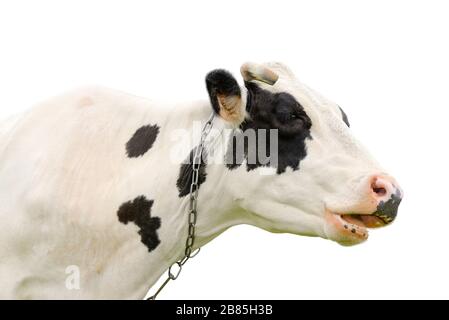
(322, 181)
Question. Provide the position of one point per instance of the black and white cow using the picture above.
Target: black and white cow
(95, 181)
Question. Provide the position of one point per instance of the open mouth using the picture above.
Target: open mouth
(357, 225)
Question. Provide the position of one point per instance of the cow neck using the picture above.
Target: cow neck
(192, 212)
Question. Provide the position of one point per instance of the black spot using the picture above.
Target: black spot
(142, 140)
(269, 111)
(220, 81)
(353, 230)
(388, 210)
(186, 171)
(139, 212)
(344, 116)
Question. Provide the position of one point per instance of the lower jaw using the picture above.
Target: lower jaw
(344, 232)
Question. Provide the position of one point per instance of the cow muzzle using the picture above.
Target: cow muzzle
(384, 196)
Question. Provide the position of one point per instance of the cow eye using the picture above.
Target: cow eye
(293, 116)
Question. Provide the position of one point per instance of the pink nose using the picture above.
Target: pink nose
(388, 195)
(383, 187)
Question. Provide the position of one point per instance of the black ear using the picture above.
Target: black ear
(225, 95)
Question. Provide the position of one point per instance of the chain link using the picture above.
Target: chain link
(193, 204)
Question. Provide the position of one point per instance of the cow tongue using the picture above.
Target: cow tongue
(364, 221)
(372, 221)
(354, 220)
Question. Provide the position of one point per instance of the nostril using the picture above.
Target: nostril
(379, 187)
(379, 191)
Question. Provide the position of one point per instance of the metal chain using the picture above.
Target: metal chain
(193, 213)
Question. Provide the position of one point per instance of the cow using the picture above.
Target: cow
(95, 199)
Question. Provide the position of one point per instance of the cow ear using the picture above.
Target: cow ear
(225, 96)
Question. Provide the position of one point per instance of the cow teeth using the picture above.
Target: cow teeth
(385, 219)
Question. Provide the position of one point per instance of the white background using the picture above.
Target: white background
(384, 62)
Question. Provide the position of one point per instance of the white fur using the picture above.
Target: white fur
(64, 173)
